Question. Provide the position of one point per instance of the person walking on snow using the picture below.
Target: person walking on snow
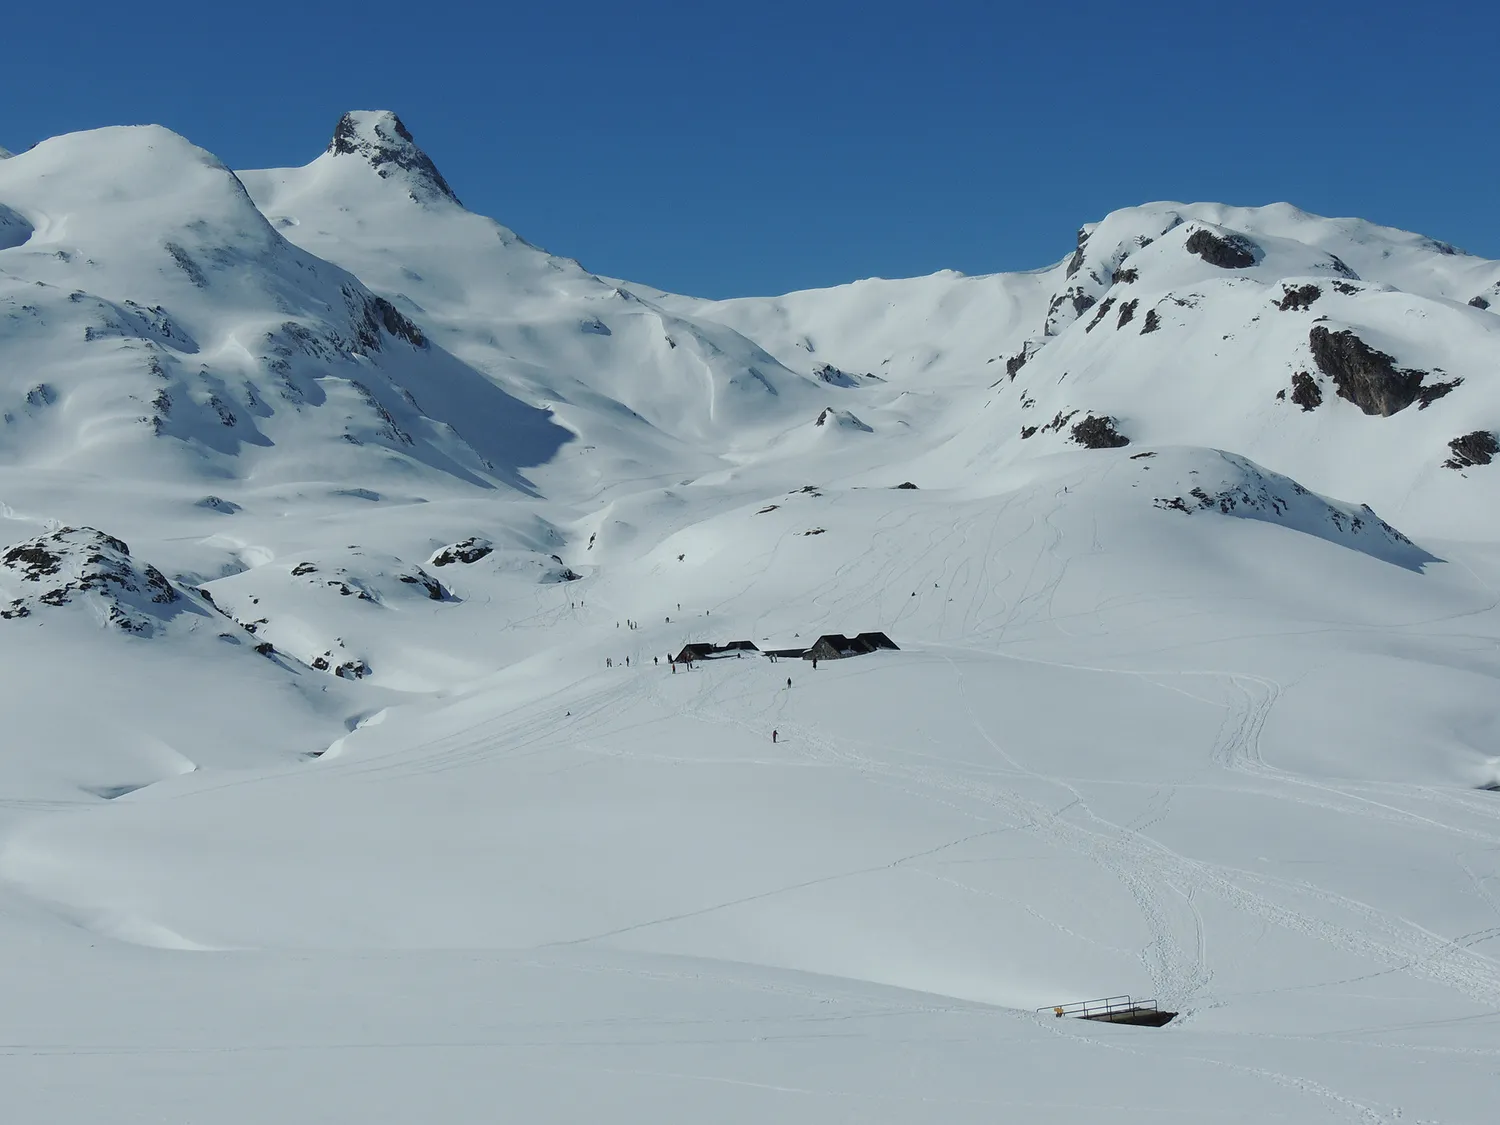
(773, 736)
(789, 681)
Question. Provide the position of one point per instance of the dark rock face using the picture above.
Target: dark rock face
(1434, 391)
(1479, 303)
(1059, 420)
(1231, 252)
(1340, 267)
(388, 145)
(1027, 431)
(1305, 391)
(1075, 296)
(1368, 378)
(1104, 307)
(1075, 263)
(1153, 322)
(1019, 360)
(1127, 313)
(1478, 448)
(1098, 433)
(1127, 276)
(416, 576)
(1298, 298)
(369, 314)
(469, 550)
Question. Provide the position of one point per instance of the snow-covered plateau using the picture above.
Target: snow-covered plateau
(346, 777)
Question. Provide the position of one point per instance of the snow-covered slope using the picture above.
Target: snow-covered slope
(348, 537)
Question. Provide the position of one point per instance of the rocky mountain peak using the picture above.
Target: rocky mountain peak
(381, 139)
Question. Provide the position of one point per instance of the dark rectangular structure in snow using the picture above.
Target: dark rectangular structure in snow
(1115, 1009)
(702, 650)
(835, 646)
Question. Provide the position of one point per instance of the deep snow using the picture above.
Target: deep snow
(327, 502)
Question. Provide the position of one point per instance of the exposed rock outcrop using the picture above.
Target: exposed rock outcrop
(1098, 433)
(1019, 360)
(1366, 377)
(469, 550)
(380, 138)
(1431, 392)
(1305, 392)
(1228, 251)
(1298, 298)
(63, 566)
(1478, 448)
(1075, 263)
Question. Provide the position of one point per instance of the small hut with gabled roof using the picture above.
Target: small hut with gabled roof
(836, 646)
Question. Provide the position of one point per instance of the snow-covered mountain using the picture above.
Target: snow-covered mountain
(349, 535)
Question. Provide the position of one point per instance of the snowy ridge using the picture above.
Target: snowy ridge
(1187, 540)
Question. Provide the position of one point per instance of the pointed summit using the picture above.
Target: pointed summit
(379, 138)
(4, 153)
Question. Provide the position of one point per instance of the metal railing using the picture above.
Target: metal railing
(1102, 1009)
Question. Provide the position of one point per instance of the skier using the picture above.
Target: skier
(789, 681)
(655, 661)
(815, 664)
(773, 736)
(608, 663)
(627, 662)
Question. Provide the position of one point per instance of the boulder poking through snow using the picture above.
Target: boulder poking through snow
(469, 550)
(1098, 433)
(1228, 251)
(1478, 448)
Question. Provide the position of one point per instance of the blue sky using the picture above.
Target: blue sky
(761, 147)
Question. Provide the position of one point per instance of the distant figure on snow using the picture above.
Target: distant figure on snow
(773, 736)
(627, 662)
(608, 663)
(789, 681)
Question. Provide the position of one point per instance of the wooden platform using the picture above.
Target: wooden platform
(1115, 1009)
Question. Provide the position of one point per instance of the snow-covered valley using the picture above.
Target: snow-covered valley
(348, 538)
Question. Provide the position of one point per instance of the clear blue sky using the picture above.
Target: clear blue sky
(759, 147)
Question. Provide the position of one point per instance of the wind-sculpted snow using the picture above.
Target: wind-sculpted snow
(378, 707)
(1239, 487)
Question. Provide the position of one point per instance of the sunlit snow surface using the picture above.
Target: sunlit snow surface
(1182, 719)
